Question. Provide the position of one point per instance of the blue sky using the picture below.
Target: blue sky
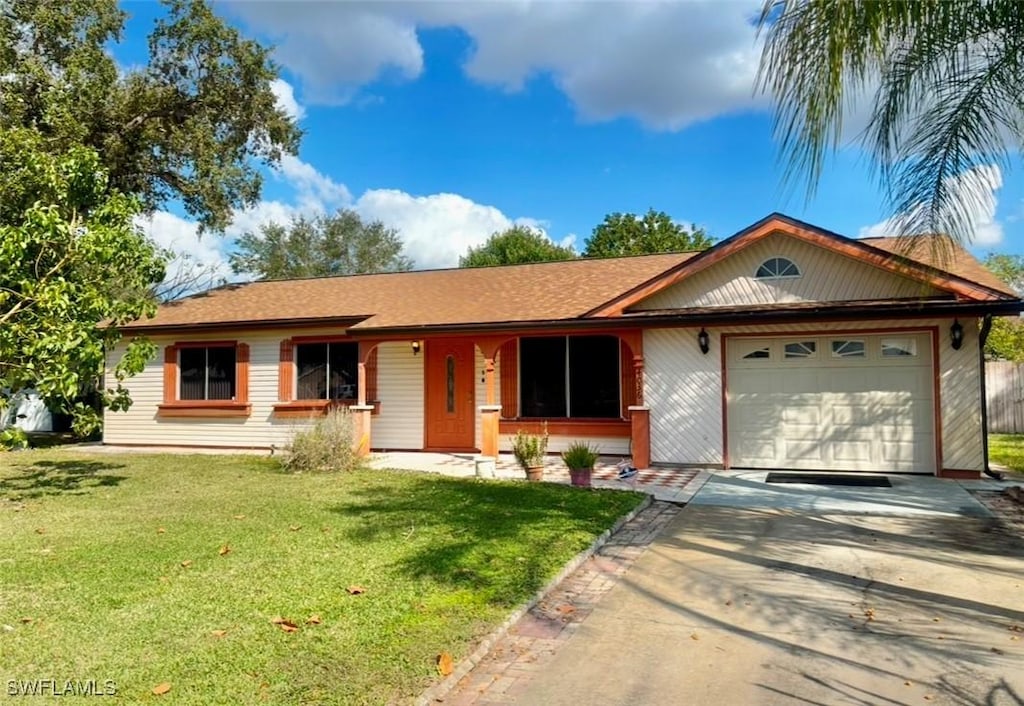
(451, 120)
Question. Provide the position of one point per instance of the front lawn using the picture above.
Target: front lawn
(1007, 450)
(151, 570)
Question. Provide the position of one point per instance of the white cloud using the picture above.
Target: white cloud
(666, 64)
(438, 228)
(976, 190)
(316, 191)
(285, 95)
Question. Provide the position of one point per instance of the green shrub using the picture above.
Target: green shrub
(13, 438)
(580, 455)
(529, 449)
(328, 445)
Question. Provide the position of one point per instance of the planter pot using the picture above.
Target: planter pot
(580, 476)
(535, 473)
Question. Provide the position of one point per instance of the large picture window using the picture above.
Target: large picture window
(569, 377)
(327, 371)
(207, 373)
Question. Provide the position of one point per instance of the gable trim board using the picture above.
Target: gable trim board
(661, 370)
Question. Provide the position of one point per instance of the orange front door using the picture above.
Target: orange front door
(450, 394)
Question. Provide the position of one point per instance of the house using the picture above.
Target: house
(784, 346)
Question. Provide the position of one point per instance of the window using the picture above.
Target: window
(758, 353)
(800, 349)
(206, 373)
(848, 349)
(899, 347)
(569, 377)
(776, 268)
(327, 371)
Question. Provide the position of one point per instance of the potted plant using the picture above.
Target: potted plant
(580, 457)
(529, 450)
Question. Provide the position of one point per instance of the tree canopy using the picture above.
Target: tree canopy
(193, 124)
(69, 260)
(945, 78)
(514, 246)
(1006, 339)
(338, 244)
(654, 232)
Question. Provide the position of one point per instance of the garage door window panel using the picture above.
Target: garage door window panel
(899, 348)
(849, 348)
(800, 350)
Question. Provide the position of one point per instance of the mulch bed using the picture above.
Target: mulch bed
(1008, 506)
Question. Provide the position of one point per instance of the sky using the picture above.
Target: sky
(452, 120)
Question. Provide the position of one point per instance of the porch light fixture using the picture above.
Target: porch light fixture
(415, 347)
(704, 341)
(956, 334)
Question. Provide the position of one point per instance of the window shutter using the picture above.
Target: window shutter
(286, 371)
(371, 377)
(508, 356)
(242, 372)
(628, 378)
(170, 374)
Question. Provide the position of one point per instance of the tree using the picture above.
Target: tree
(515, 246)
(946, 78)
(189, 276)
(340, 244)
(625, 234)
(72, 260)
(191, 125)
(1006, 339)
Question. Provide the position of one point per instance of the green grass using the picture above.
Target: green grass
(91, 550)
(1007, 450)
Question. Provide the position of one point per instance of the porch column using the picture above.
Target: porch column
(640, 434)
(361, 411)
(489, 412)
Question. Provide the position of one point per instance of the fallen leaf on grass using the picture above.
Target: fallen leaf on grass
(285, 624)
(355, 590)
(218, 633)
(161, 689)
(160, 530)
(313, 620)
(40, 530)
(239, 517)
(224, 550)
(187, 563)
(295, 528)
(27, 620)
(445, 666)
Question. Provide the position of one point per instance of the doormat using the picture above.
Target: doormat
(864, 481)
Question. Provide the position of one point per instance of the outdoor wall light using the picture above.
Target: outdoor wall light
(415, 347)
(956, 334)
(704, 341)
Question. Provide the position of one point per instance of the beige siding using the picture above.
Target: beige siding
(683, 389)
(825, 276)
(400, 385)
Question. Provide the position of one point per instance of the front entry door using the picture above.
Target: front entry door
(450, 394)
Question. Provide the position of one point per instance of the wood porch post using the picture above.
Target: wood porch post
(363, 412)
(490, 412)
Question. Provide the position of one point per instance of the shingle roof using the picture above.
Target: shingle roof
(535, 292)
(945, 254)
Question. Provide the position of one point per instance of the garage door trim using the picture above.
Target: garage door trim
(933, 330)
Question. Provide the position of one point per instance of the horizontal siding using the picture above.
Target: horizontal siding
(683, 390)
(825, 276)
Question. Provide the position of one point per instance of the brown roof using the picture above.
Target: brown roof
(535, 292)
(945, 254)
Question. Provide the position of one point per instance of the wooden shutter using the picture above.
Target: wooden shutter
(371, 377)
(286, 371)
(242, 372)
(170, 374)
(628, 378)
(508, 355)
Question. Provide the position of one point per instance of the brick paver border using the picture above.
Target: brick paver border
(505, 661)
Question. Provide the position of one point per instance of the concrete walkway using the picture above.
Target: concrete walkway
(906, 595)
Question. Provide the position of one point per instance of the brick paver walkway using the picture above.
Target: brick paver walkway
(532, 641)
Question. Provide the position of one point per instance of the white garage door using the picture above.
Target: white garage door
(840, 402)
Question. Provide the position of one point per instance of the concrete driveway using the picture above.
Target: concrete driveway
(762, 594)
